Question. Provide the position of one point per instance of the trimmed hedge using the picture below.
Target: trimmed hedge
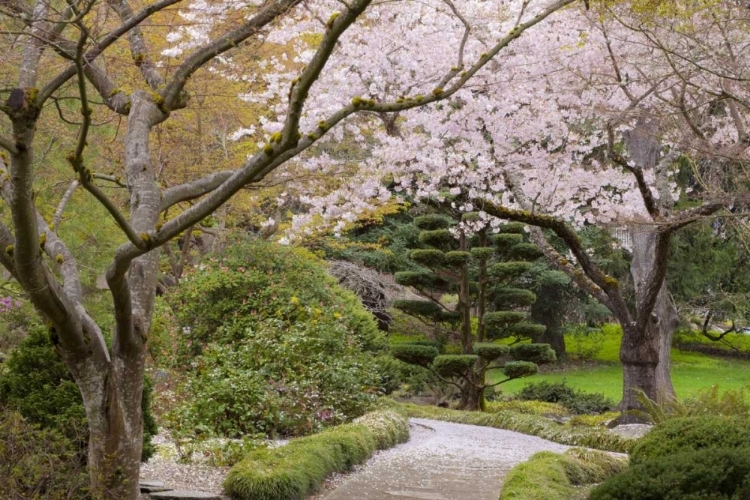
(554, 476)
(519, 369)
(454, 365)
(682, 435)
(716, 474)
(527, 424)
(298, 469)
(536, 353)
(490, 352)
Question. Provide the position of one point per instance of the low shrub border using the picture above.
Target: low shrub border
(554, 476)
(298, 469)
(528, 424)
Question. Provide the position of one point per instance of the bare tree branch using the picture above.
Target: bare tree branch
(57, 218)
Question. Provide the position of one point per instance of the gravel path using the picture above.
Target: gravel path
(442, 461)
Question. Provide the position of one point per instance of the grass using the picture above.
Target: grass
(691, 372)
(555, 476)
(294, 471)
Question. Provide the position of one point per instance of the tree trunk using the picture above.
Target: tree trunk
(115, 430)
(645, 354)
(472, 397)
(553, 335)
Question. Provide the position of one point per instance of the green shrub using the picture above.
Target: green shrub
(491, 352)
(38, 463)
(439, 238)
(37, 384)
(586, 343)
(415, 354)
(255, 281)
(429, 257)
(454, 365)
(708, 402)
(553, 476)
(691, 434)
(536, 353)
(519, 369)
(457, 258)
(714, 474)
(279, 380)
(294, 471)
(432, 222)
(528, 407)
(559, 392)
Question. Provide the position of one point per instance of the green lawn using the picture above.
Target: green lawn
(690, 372)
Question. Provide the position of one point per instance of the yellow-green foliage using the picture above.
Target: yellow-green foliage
(528, 424)
(553, 476)
(528, 407)
(593, 420)
(296, 470)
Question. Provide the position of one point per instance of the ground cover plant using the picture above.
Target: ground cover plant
(298, 469)
(560, 476)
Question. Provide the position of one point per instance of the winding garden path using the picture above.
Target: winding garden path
(442, 461)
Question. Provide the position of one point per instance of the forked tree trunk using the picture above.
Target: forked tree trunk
(472, 397)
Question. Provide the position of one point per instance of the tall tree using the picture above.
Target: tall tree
(64, 52)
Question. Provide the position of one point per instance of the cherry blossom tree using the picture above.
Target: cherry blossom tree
(587, 122)
(63, 51)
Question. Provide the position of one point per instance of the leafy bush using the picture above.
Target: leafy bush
(280, 348)
(576, 401)
(38, 385)
(554, 476)
(691, 434)
(280, 380)
(294, 471)
(536, 353)
(38, 463)
(255, 281)
(586, 343)
(715, 473)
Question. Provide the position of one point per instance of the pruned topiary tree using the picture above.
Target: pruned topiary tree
(486, 272)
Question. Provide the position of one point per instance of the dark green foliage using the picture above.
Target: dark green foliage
(37, 384)
(439, 238)
(428, 258)
(509, 270)
(457, 258)
(482, 253)
(503, 319)
(454, 365)
(519, 369)
(421, 355)
(554, 476)
(536, 353)
(490, 352)
(470, 217)
(527, 330)
(294, 471)
(525, 251)
(682, 435)
(514, 297)
(39, 463)
(512, 228)
(503, 242)
(715, 473)
(432, 222)
(421, 308)
(421, 280)
(576, 401)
